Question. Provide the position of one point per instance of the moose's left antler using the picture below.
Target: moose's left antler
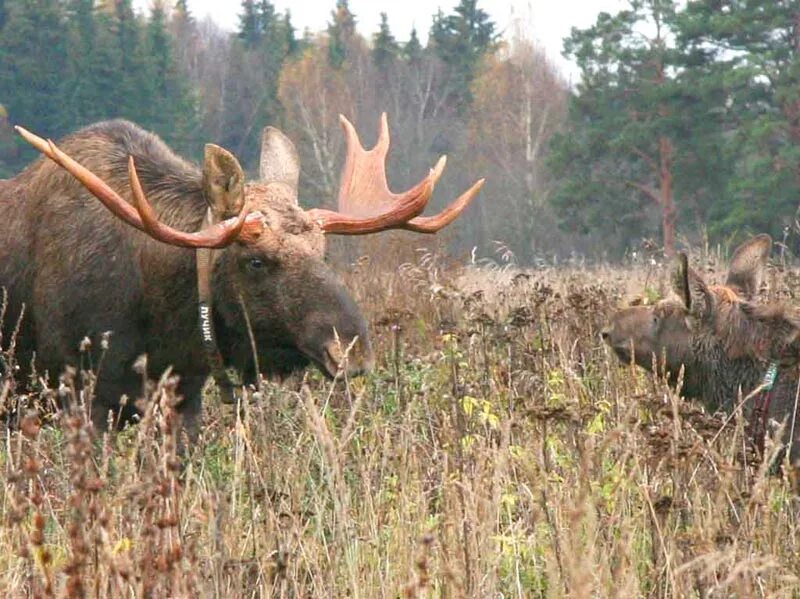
(245, 226)
(366, 205)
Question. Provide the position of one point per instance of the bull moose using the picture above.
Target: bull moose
(723, 340)
(169, 238)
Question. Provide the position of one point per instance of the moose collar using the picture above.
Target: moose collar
(205, 266)
(762, 401)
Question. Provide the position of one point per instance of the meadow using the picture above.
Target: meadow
(498, 449)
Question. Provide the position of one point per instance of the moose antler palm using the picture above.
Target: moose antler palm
(365, 205)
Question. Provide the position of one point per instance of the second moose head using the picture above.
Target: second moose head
(719, 336)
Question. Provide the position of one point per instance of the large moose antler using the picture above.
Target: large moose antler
(366, 205)
(143, 217)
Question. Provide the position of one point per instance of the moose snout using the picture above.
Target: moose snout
(606, 334)
(355, 358)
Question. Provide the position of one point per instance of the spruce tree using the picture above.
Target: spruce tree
(412, 49)
(184, 33)
(384, 46)
(182, 22)
(261, 46)
(172, 109)
(461, 40)
(293, 45)
(341, 33)
(249, 28)
(32, 66)
(83, 76)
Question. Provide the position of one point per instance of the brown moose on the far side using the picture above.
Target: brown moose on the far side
(726, 343)
(181, 262)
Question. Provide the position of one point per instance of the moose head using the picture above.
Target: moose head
(719, 335)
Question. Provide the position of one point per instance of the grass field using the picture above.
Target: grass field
(498, 450)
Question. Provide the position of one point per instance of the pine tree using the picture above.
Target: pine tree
(631, 149)
(385, 48)
(743, 62)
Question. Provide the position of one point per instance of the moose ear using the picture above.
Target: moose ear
(223, 182)
(697, 298)
(748, 264)
(279, 161)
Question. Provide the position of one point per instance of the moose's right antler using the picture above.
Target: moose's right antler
(366, 205)
(243, 227)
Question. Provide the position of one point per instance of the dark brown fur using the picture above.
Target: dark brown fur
(719, 336)
(81, 271)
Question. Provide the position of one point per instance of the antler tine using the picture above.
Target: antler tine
(143, 217)
(432, 224)
(364, 190)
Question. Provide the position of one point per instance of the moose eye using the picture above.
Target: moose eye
(256, 264)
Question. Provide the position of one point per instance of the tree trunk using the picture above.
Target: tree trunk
(667, 201)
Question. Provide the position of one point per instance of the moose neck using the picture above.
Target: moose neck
(716, 379)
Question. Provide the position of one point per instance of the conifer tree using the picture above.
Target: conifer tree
(341, 33)
(461, 40)
(32, 65)
(412, 49)
(742, 66)
(384, 46)
(293, 45)
(249, 28)
(634, 147)
(84, 70)
(172, 113)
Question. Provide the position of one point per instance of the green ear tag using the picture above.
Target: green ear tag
(769, 377)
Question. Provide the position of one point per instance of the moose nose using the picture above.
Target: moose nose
(357, 361)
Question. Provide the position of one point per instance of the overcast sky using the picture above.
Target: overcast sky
(547, 21)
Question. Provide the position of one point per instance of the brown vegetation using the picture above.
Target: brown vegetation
(497, 448)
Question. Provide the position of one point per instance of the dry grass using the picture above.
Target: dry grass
(498, 450)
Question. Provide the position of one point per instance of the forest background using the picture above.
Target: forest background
(683, 124)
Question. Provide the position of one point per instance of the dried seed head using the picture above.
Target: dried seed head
(31, 425)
